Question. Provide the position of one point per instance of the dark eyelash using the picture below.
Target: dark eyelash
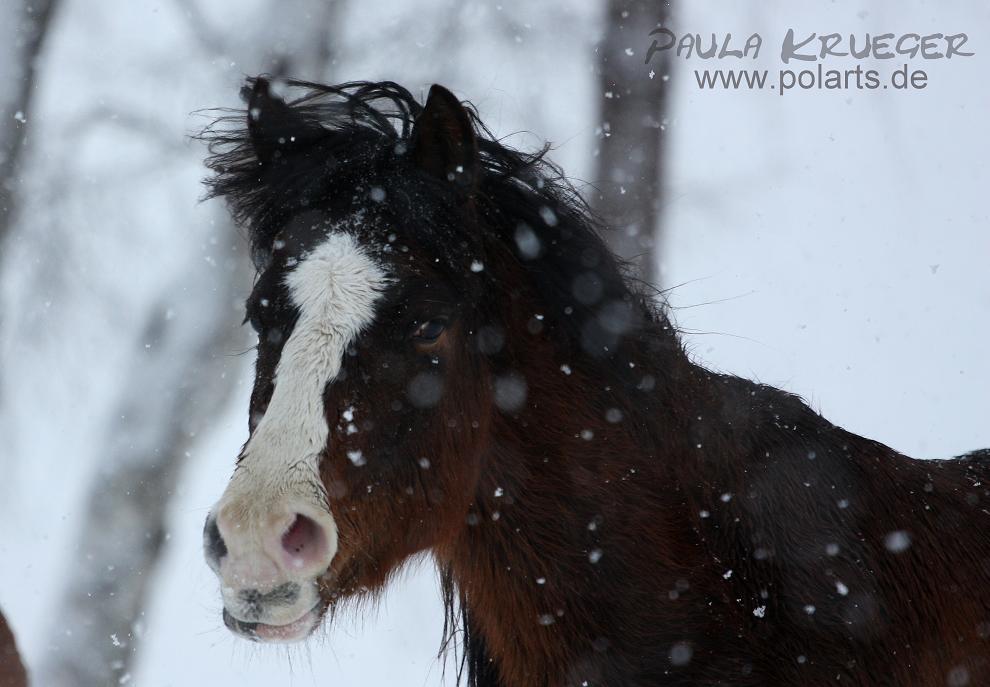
(256, 324)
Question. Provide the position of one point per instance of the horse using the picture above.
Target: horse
(12, 673)
(451, 363)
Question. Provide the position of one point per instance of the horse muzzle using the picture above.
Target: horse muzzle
(269, 567)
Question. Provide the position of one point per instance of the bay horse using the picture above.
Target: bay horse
(12, 673)
(451, 361)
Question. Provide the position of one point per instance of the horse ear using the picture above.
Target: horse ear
(443, 141)
(273, 126)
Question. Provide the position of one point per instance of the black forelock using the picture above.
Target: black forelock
(341, 134)
(351, 135)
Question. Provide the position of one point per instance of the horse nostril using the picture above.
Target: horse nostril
(213, 544)
(304, 541)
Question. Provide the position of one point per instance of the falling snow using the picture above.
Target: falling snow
(898, 541)
(133, 290)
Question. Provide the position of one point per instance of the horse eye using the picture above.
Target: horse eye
(429, 331)
(255, 323)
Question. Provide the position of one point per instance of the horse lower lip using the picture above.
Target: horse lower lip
(290, 632)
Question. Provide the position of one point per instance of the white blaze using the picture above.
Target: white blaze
(334, 288)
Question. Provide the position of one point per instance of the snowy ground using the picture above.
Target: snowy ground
(840, 240)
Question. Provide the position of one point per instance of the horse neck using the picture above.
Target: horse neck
(577, 526)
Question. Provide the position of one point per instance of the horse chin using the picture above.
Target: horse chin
(295, 631)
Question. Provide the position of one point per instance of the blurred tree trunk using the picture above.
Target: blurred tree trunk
(12, 673)
(24, 25)
(632, 107)
(176, 384)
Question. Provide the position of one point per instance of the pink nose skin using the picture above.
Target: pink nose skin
(293, 546)
(268, 567)
(305, 546)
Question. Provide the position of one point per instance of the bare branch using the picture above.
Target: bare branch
(22, 42)
(145, 127)
(210, 41)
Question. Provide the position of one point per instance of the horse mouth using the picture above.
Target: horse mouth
(295, 631)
